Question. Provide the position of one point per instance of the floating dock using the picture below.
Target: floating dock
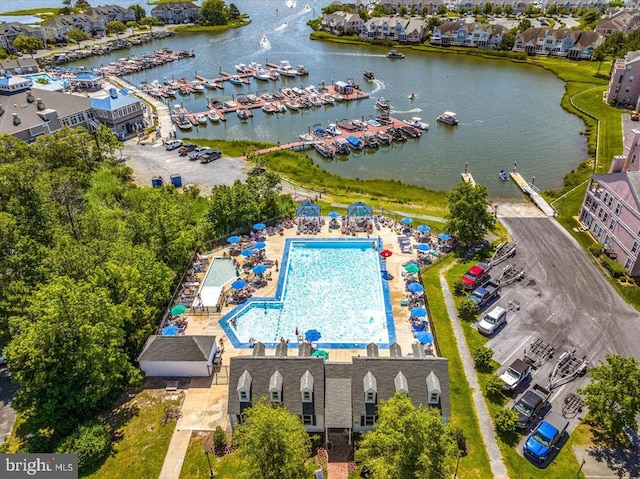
(532, 192)
(468, 178)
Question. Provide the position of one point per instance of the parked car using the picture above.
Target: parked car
(515, 375)
(195, 154)
(492, 321)
(485, 294)
(544, 437)
(186, 148)
(635, 116)
(530, 404)
(476, 275)
(172, 144)
(210, 156)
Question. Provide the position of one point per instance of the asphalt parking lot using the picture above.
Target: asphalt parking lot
(564, 301)
(148, 161)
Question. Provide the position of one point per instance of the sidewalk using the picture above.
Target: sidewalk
(484, 418)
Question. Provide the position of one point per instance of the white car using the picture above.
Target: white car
(173, 144)
(492, 321)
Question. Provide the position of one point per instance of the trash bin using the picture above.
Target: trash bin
(176, 180)
(156, 181)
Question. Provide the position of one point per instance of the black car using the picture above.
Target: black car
(209, 156)
(187, 148)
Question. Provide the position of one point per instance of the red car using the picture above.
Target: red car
(635, 116)
(476, 275)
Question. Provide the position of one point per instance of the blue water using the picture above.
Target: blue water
(221, 271)
(334, 287)
(38, 76)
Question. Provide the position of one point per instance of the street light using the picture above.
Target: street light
(211, 473)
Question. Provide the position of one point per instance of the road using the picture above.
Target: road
(7, 414)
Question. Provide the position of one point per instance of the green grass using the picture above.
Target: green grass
(463, 414)
(143, 440)
(210, 28)
(32, 11)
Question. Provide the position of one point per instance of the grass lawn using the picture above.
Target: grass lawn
(142, 438)
(32, 11)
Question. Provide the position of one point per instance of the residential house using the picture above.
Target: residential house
(452, 32)
(27, 115)
(624, 85)
(611, 207)
(58, 27)
(177, 12)
(336, 398)
(124, 114)
(411, 6)
(406, 30)
(340, 23)
(110, 13)
(178, 356)
(12, 30)
(573, 44)
(19, 66)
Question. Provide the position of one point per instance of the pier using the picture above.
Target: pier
(532, 192)
(467, 177)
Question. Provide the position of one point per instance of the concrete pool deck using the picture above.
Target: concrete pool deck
(209, 324)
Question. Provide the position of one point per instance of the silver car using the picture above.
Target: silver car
(492, 321)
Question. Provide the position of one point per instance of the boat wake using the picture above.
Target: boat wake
(379, 86)
(413, 110)
(307, 8)
(280, 27)
(290, 3)
(265, 44)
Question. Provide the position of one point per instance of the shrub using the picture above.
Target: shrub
(460, 440)
(37, 443)
(493, 387)
(596, 249)
(219, 440)
(91, 441)
(615, 268)
(482, 357)
(506, 420)
(459, 288)
(467, 311)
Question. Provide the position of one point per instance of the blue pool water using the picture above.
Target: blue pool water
(39, 76)
(333, 286)
(221, 271)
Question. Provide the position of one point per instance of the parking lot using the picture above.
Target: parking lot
(564, 301)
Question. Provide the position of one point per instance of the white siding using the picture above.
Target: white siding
(176, 368)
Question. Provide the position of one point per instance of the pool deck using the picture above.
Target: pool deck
(198, 325)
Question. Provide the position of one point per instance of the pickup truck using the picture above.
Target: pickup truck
(476, 275)
(515, 375)
(544, 437)
(530, 404)
(492, 321)
(485, 294)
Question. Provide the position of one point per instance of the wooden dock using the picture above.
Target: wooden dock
(532, 192)
(468, 178)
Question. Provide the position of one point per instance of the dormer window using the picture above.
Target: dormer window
(306, 387)
(402, 386)
(275, 387)
(244, 387)
(370, 388)
(433, 389)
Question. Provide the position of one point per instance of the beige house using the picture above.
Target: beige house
(624, 86)
(409, 30)
(177, 12)
(340, 23)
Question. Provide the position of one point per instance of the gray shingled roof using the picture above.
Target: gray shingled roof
(306, 382)
(177, 348)
(338, 409)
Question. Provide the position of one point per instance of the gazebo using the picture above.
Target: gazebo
(359, 216)
(309, 217)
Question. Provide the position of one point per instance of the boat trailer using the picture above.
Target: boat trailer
(572, 405)
(568, 368)
(510, 274)
(503, 252)
(538, 352)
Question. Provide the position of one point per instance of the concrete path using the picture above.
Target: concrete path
(606, 463)
(175, 454)
(486, 425)
(402, 213)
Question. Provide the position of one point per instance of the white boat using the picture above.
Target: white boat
(315, 101)
(198, 87)
(306, 137)
(329, 99)
(382, 104)
(268, 108)
(243, 114)
(211, 85)
(262, 75)
(255, 66)
(417, 122)
(279, 106)
(301, 70)
(201, 118)
(448, 118)
(230, 104)
(286, 69)
(242, 68)
(213, 116)
(183, 123)
(333, 130)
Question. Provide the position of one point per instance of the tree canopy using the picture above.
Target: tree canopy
(115, 27)
(76, 35)
(613, 395)
(139, 11)
(28, 44)
(407, 442)
(215, 12)
(272, 443)
(469, 218)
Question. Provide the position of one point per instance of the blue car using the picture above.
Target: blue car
(543, 439)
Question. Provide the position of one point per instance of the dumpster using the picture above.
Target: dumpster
(156, 181)
(176, 180)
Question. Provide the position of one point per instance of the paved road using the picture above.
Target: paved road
(7, 414)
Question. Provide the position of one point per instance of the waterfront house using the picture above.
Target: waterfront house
(624, 87)
(178, 356)
(406, 30)
(27, 115)
(336, 398)
(11, 30)
(611, 207)
(618, 19)
(110, 13)
(19, 66)
(177, 12)
(452, 32)
(124, 114)
(339, 23)
(574, 44)
(59, 26)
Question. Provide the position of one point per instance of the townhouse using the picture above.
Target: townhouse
(339, 23)
(177, 12)
(406, 30)
(476, 35)
(565, 42)
(624, 87)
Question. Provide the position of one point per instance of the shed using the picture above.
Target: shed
(180, 356)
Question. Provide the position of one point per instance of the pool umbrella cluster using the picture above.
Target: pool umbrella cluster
(418, 312)
(170, 330)
(178, 309)
(259, 269)
(412, 268)
(239, 284)
(312, 335)
(424, 337)
(424, 229)
(233, 239)
(259, 245)
(444, 237)
(415, 287)
(247, 252)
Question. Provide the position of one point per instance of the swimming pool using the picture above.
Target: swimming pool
(51, 83)
(220, 272)
(40, 76)
(333, 286)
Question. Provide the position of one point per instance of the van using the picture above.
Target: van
(173, 144)
(492, 321)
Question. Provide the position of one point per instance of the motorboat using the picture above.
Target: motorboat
(329, 99)
(355, 143)
(319, 131)
(359, 124)
(324, 149)
(255, 66)
(198, 87)
(183, 123)
(382, 104)
(448, 118)
(201, 119)
(412, 95)
(301, 70)
(216, 103)
(279, 106)
(268, 107)
(373, 122)
(262, 75)
(286, 70)
(306, 137)
(503, 176)
(211, 85)
(333, 130)
(244, 114)
(242, 68)
(370, 140)
(292, 105)
(341, 146)
(410, 131)
(346, 125)
(236, 80)
(253, 98)
(417, 122)
(395, 54)
(396, 134)
(315, 101)
(368, 76)
(213, 116)
(383, 138)
(266, 96)
(230, 104)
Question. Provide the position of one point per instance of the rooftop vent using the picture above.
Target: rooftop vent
(40, 104)
(30, 97)
(113, 93)
(16, 119)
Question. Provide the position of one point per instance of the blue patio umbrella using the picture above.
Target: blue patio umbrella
(415, 287)
(259, 269)
(423, 247)
(233, 239)
(424, 337)
(259, 226)
(444, 237)
(259, 245)
(238, 284)
(247, 252)
(334, 214)
(170, 330)
(424, 228)
(312, 335)
(418, 312)
(406, 221)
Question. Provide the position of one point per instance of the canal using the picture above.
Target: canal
(509, 113)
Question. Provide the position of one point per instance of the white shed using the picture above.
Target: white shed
(178, 355)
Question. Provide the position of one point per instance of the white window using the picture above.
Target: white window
(371, 396)
(612, 224)
(606, 240)
(627, 264)
(618, 208)
(435, 397)
(243, 395)
(634, 248)
(309, 420)
(306, 396)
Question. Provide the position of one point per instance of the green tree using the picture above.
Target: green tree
(525, 24)
(493, 387)
(598, 55)
(469, 218)
(482, 357)
(139, 11)
(407, 442)
(150, 22)
(508, 10)
(215, 12)
(132, 25)
(91, 441)
(506, 420)
(234, 12)
(272, 443)
(467, 310)
(442, 9)
(27, 44)
(488, 8)
(498, 10)
(76, 35)
(552, 9)
(590, 18)
(613, 395)
(115, 27)
(402, 11)
(82, 4)
(476, 10)
(508, 41)
(378, 10)
(615, 3)
(66, 354)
